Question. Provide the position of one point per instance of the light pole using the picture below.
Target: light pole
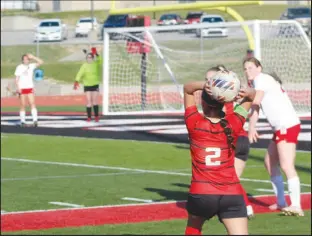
(154, 13)
(92, 14)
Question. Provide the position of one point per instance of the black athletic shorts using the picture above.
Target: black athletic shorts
(242, 148)
(224, 206)
(91, 88)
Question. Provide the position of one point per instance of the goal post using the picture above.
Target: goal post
(136, 83)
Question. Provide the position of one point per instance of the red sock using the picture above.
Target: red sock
(245, 197)
(192, 231)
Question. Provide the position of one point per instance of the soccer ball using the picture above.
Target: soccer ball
(225, 84)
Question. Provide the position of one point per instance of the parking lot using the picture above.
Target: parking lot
(26, 37)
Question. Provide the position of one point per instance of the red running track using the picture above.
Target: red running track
(93, 216)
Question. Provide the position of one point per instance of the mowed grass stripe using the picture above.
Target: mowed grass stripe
(123, 168)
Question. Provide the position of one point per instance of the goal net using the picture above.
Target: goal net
(145, 68)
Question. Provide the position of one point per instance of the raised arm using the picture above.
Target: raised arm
(189, 90)
(253, 102)
(39, 61)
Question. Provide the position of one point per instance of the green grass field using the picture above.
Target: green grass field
(106, 171)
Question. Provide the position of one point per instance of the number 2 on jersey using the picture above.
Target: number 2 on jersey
(216, 154)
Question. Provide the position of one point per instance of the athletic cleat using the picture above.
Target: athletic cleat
(23, 125)
(250, 212)
(36, 124)
(292, 211)
(275, 207)
(97, 119)
(88, 120)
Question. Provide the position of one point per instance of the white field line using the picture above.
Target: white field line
(2, 211)
(267, 190)
(67, 176)
(137, 200)
(118, 205)
(268, 181)
(94, 166)
(125, 169)
(66, 204)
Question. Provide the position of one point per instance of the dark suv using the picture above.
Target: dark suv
(114, 21)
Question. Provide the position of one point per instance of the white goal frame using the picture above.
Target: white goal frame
(254, 25)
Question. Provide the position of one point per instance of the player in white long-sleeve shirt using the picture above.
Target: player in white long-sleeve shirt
(282, 117)
(24, 73)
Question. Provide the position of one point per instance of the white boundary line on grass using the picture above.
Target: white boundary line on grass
(66, 176)
(109, 206)
(137, 199)
(66, 204)
(94, 166)
(125, 169)
(268, 181)
(267, 190)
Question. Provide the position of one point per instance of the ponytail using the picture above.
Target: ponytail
(276, 77)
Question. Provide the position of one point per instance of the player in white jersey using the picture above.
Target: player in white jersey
(25, 86)
(281, 115)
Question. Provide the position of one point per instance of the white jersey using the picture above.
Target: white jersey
(275, 104)
(25, 74)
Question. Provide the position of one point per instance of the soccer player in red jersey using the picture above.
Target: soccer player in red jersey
(215, 188)
(241, 155)
(242, 145)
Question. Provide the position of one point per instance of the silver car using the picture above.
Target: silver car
(209, 31)
(51, 30)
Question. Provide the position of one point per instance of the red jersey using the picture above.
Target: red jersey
(229, 109)
(213, 169)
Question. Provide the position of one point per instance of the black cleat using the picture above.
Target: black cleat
(22, 125)
(36, 124)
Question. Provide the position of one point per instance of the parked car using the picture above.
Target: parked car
(192, 18)
(212, 31)
(114, 21)
(84, 26)
(51, 30)
(169, 19)
(300, 14)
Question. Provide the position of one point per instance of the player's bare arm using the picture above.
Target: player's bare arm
(17, 84)
(189, 90)
(254, 116)
(246, 97)
(39, 61)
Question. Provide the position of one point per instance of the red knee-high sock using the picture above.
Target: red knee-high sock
(192, 231)
(245, 197)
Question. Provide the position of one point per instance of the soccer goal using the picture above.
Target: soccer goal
(145, 67)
